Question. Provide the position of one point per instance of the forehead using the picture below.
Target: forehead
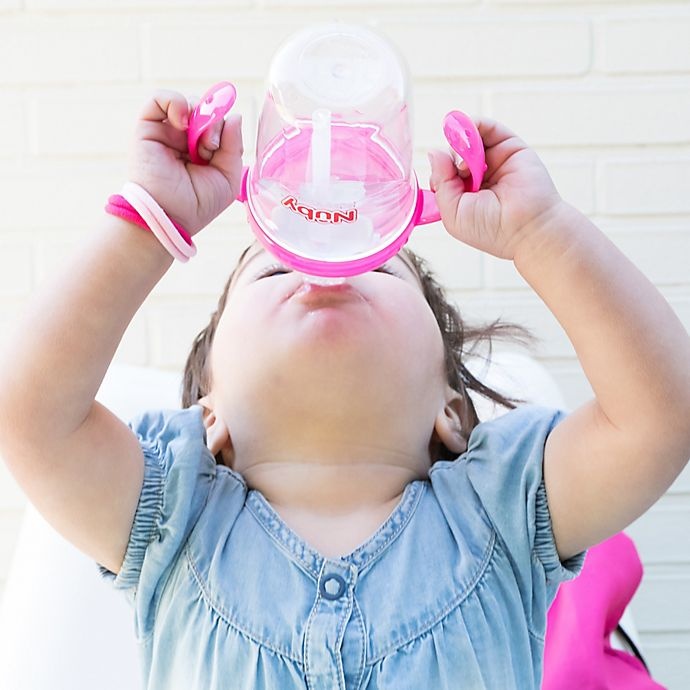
(258, 255)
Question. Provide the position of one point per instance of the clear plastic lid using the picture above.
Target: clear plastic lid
(333, 178)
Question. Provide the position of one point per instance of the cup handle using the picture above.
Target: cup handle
(215, 104)
(464, 138)
(427, 208)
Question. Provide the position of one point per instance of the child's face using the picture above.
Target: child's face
(290, 357)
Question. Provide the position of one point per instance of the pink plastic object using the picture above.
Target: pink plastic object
(214, 105)
(586, 610)
(463, 136)
(119, 206)
(157, 220)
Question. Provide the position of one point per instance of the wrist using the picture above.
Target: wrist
(137, 206)
(552, 231)
(136, 246)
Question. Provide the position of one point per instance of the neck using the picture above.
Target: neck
(330, 490)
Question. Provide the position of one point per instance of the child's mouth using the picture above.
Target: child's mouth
(325, 295)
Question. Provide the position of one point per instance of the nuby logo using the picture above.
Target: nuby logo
(320, 215)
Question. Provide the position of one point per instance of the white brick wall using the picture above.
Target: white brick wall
(601, 89)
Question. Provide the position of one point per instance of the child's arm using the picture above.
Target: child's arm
(78, 464)
(613, 457)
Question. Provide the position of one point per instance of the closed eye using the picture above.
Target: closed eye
(273, 270)
(387, 269)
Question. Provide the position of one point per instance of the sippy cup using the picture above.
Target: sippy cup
(332, 192)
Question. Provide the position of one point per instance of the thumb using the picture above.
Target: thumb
(228, 158)
(446, 183)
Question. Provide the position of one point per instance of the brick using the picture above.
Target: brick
(96, 121)
(576, 3)
(646, 44)
(99, 121)
(358, 3)
(229, 43)
(91, 5)
(13, 123)
(467, 48)
(661, 253)
(643, 186)
(72, 193)
(67, 50)
(16, 269)
(668, 656)
(430, 103)
(574, 178)
(599, 115)
(664, 602)
(661, 534)
(53, 252)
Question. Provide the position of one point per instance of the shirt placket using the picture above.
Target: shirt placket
(325, 627)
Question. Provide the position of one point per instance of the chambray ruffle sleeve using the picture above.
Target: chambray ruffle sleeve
(503, 467)
(179, 471)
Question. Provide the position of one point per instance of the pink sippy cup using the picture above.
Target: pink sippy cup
(332, 192)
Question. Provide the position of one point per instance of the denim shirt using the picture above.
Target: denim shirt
(451, 591)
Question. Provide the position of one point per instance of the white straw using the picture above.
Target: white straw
(321, 148)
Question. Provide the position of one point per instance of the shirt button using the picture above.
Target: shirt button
(332, 586)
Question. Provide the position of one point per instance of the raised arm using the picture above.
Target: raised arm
(77, 463)
(613, 457)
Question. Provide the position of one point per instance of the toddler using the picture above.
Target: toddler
(327, 511)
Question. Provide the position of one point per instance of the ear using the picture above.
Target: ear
(448, 426)
(217, 433)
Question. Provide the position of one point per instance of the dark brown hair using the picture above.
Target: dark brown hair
(459, 340)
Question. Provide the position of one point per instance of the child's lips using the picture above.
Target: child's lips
(313, 294)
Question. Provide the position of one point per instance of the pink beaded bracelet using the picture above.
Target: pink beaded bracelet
(136, 205)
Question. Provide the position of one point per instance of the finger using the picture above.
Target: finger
(162, 133)
(209, 142)
(500, 145)
(493, 132)
(228, 157)
(460, 165)
(167, 106)
(445, 182)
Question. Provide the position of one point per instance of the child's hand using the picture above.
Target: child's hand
(517, 190)
(191, 194)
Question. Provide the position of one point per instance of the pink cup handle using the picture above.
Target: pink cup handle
(427, 208)
(214, 105)
(463, 136)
